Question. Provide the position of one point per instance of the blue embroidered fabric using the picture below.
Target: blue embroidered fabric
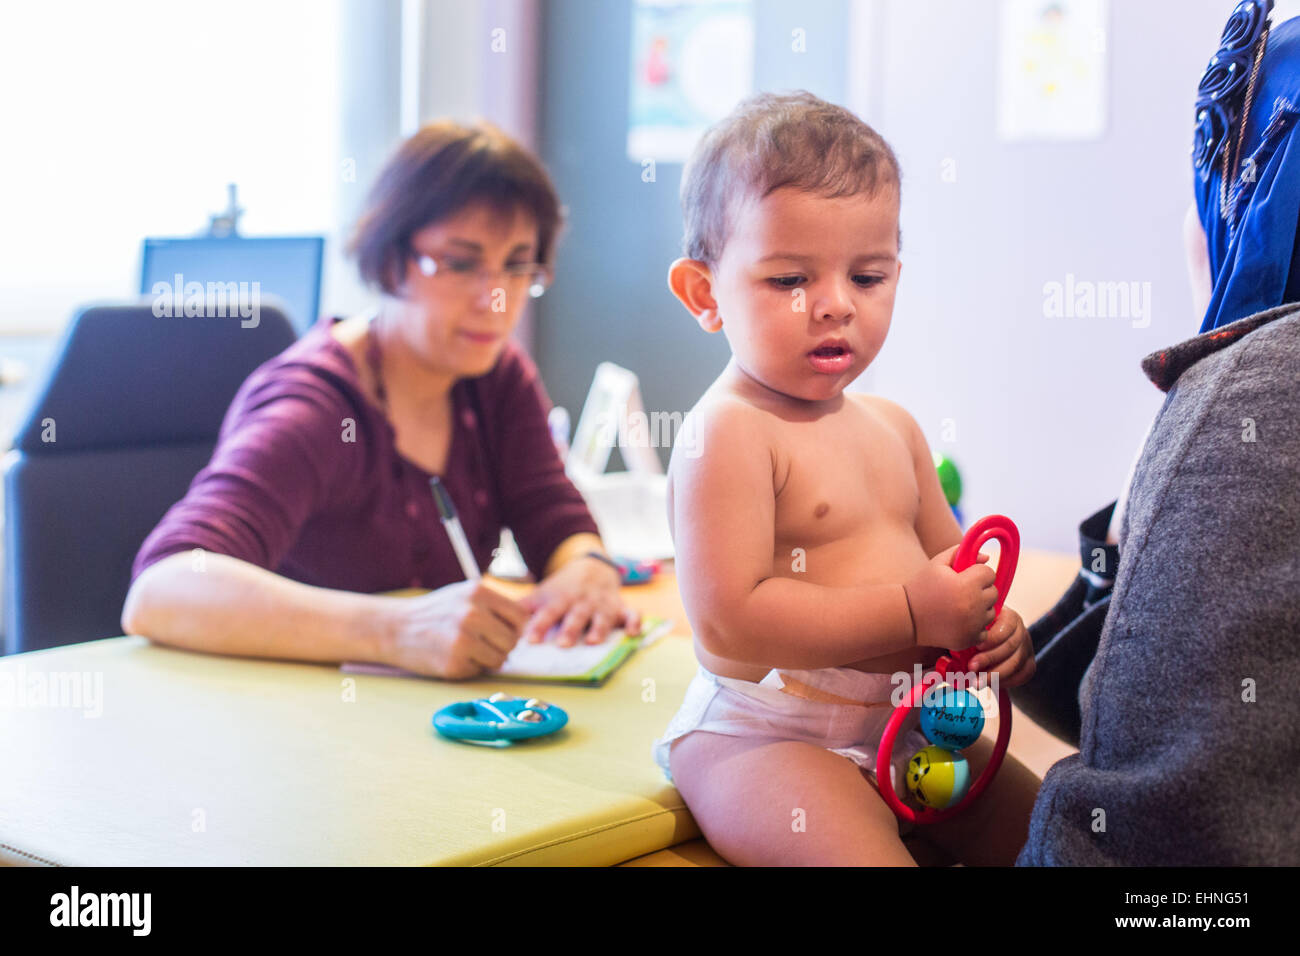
(1247, 159)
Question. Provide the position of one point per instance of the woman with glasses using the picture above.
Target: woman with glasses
(318, 493)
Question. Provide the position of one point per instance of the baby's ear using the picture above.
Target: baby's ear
(692, 282)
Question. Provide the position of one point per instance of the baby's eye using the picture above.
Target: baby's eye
(866, 281)
(785, 282)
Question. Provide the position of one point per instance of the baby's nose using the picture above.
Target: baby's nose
(835, 306)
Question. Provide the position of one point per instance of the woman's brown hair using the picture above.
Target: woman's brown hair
(438, 171)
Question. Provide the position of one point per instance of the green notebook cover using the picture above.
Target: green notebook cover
(652, 628)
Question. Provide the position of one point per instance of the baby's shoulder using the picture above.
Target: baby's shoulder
(728, 419)
(721, 424)
(717, 408)
(888, 412)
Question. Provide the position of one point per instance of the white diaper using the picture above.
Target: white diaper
(741, 708)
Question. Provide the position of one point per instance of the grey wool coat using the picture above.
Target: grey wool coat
(1191, 708)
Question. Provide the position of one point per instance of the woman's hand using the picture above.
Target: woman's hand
(455, 632)
(583, 592)
(1007, 651)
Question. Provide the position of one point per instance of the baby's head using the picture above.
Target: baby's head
(791, 210)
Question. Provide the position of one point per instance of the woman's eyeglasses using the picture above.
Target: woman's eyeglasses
(466, 274)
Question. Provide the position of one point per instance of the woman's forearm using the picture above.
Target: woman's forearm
(215, 603)
(574, 546)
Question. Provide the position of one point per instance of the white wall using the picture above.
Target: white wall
(1048, 413)
(476, 59)
(407, 62)
(128, 119)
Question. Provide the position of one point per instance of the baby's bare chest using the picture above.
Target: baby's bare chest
(842, 480)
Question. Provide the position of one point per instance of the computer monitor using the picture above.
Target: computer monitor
(288, 267)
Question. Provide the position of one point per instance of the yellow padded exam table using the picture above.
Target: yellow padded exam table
(198, 759)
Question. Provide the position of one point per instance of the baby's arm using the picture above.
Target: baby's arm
(724, 517)
(936, 528)
(1006, 647)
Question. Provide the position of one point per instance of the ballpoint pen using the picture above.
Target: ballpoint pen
(459, 543)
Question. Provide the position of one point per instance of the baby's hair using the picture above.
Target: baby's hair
(772, 140)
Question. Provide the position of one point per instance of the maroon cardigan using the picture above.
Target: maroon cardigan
(293, 488)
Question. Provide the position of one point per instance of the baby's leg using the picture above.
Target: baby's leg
(770, 802)
(993, 830)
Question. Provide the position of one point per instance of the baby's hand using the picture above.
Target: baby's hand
(951, 609)
(1006, 651)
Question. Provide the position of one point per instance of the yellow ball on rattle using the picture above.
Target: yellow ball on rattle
(937, 777)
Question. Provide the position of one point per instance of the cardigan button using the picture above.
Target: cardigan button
(481, 498)
(468, 418)
(412, 510)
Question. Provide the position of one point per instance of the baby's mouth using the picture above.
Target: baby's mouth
(831, 358)
(829, 351)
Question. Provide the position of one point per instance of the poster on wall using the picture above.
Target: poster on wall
(692, 61)
(1052, 70)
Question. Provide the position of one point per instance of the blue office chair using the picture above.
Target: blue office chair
(133, 404)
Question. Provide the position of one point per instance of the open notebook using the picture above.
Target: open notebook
(547, 661)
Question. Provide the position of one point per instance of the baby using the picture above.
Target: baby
(813, 540)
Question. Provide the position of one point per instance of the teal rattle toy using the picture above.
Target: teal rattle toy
(499, 719)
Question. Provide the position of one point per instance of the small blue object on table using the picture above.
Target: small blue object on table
(499, 719)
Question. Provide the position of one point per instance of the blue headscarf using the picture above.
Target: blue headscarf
(1254, 259)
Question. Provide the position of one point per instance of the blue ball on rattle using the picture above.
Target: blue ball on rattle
(951, 718)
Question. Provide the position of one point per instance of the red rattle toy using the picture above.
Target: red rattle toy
(1008, 535)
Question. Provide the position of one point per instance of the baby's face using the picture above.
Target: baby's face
(805, 288)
